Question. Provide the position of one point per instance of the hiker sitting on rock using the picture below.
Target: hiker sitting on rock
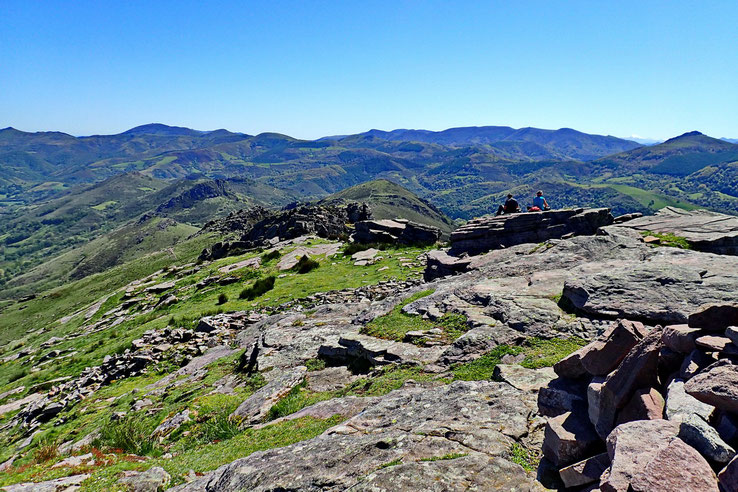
(510, 207)
(539, 203)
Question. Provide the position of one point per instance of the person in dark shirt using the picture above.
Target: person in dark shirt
(510, 207)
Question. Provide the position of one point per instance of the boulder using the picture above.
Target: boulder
(680, 338)
(680, 405)
(716, 385)
(646, 404)
(569, 438)
(648, 456)
(586, 471)
(713, 343)
(560, 396)
(715, 317)
(571, 366)
(171, 424)
(602, 356)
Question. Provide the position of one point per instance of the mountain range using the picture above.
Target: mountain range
(59, 192)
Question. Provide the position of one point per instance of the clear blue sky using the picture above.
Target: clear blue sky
(308, 69)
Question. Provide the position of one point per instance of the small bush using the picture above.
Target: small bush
(131, 434)
(17, 373)
(305, 265)
(315, 364)
(272, 255)
(352, 248)
(219, 427)
(259, 288)
(45, 452)
(222, 298)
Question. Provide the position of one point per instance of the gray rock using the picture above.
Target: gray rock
(561, 396)
(394, 231)
(152, 480)
(701, 436)
(523, 379)
(70, 483)
(481, 419)
(256, 407)
(171, 424)
(680, 405)
(705, 230)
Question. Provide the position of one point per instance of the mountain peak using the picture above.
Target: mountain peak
(161, 129)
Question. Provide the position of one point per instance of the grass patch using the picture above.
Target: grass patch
(396, 462)
(668, 239)
(481, 369)
(545, 353)
(315, 364)
(450, 456)
(131, 434)
(538, 353)
(259, 288)
(523, 457)
(395, 324)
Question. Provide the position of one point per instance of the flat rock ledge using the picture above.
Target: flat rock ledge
(707, 231)
(488, 233)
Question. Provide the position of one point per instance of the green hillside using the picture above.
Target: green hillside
(389, 200)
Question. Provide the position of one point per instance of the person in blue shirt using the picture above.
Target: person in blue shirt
(540, 202)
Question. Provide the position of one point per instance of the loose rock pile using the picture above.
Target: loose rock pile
(648, 409)
(488, 233)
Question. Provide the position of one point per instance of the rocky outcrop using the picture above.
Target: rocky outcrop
(329, 222)
(448, 437)
(488, 233)
(665, 428)
(397, 231)
(704, 230)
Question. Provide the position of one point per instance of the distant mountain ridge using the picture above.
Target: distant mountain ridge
(564, 143)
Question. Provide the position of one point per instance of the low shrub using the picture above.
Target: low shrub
(222, 298)
(131, 434)
(272, 255)
(305, 265)
(258, 288)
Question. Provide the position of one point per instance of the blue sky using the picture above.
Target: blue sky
(310, 68)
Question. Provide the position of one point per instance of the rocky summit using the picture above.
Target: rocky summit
(579, 356)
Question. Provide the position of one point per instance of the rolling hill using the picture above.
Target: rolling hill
(389, 200)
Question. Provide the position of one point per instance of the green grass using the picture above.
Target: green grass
(450, 456)
(257, 289)
(524, 457)
(538, 353)
(396, 324)
(396, 462)
(102, 206)
(668, 239)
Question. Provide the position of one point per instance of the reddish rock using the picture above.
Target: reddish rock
(571, 366)
(638, 370)
(631, 447)
(677, 467)
(602, 356)
(713, 343)
(569, 438)
(646, 404)
(680, 338)
(715, 317)
(728, 477)
(717, 385)
(586, 471)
